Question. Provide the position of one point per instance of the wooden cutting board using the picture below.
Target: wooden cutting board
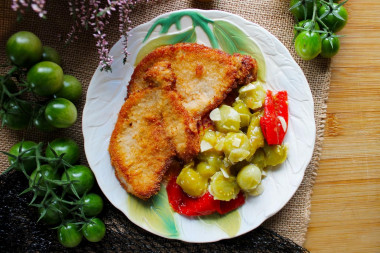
(345, 212)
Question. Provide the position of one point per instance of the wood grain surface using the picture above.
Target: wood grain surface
(345, 212)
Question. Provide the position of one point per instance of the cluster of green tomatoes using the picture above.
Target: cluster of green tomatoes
(61, 191)
(318, 21)
(44, 95)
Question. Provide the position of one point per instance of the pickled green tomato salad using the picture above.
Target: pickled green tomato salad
(241, 143)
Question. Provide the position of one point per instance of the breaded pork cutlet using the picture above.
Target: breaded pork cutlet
(204, 76)
(152, 129)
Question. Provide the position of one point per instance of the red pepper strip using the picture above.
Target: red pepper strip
(205, 205)
(228, 206)
(275, 106)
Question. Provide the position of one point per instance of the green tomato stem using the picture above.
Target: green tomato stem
(314, 10)
(323, 24)
(10, 72)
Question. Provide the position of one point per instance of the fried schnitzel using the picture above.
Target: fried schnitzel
(204, 76)
(152, 129)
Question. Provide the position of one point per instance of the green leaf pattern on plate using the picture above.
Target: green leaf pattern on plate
(175, 18)
(229, 223)
(155, 213)
(233, 40)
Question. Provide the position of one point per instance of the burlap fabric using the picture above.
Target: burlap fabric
(80, 59)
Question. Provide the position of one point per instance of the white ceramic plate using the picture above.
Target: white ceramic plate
(105, 97)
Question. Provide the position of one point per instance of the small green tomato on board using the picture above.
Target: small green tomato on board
(71, 89)
(69, 235)
(92, 204)
(63, 146)
(317, 23)
(330, 46)
(46, 78)
(61, 113)
(308, 45)
(27, 153)
(94, 230)
(83, 179)
(24, 49)
(50, 54)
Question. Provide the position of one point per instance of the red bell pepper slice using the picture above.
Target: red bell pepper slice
(228, 206)
(274, 123)
(205, 205)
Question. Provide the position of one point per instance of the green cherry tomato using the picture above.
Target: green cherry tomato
(17, 114)
(306, 24)
(37, 178)
(54, 212)
(83, 176)
(24, 49)
(308, 45)
(50, 54)
(65, 146)
(69, 235)
(336, 17)
(28, 160)
(71, 89)
(45, 78)
(61, 113)
(94, 230)
(41, 123)
(330, 47)
(92, 204)
(303, 9)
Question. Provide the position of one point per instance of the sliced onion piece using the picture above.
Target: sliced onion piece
(215, 115)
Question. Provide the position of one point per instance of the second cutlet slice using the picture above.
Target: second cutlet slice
(152, 129)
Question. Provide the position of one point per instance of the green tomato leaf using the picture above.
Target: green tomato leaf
(336, 14)
(26, 191)
(74, 190)
(331, 43)
(186, 36)
(233, 40)
(35, 195)
(42, 214)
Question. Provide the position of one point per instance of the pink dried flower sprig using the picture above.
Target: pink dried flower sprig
(36, 5)
(94, 15)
